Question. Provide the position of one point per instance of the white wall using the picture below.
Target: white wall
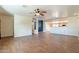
(22, 25)
(44, 26)
(6, 26)
(72, 27)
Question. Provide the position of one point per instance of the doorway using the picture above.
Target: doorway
(40, 26)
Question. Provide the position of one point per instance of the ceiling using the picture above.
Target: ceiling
(3, 11)
(53, 11)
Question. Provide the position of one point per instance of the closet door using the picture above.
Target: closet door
(7, 26)
(0, 27)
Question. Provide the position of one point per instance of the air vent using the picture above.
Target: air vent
(24, 6)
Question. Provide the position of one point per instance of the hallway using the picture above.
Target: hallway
(43, 42)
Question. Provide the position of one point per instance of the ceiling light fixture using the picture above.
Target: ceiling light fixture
(37, 14)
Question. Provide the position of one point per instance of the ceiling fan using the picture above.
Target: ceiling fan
(39, 12)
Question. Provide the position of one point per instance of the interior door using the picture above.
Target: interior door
(0, 28)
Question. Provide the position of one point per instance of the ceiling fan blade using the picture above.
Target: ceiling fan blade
(43, 11)
(41, 14)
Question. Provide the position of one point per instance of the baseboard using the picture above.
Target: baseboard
(65, 34)
(7, 37)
